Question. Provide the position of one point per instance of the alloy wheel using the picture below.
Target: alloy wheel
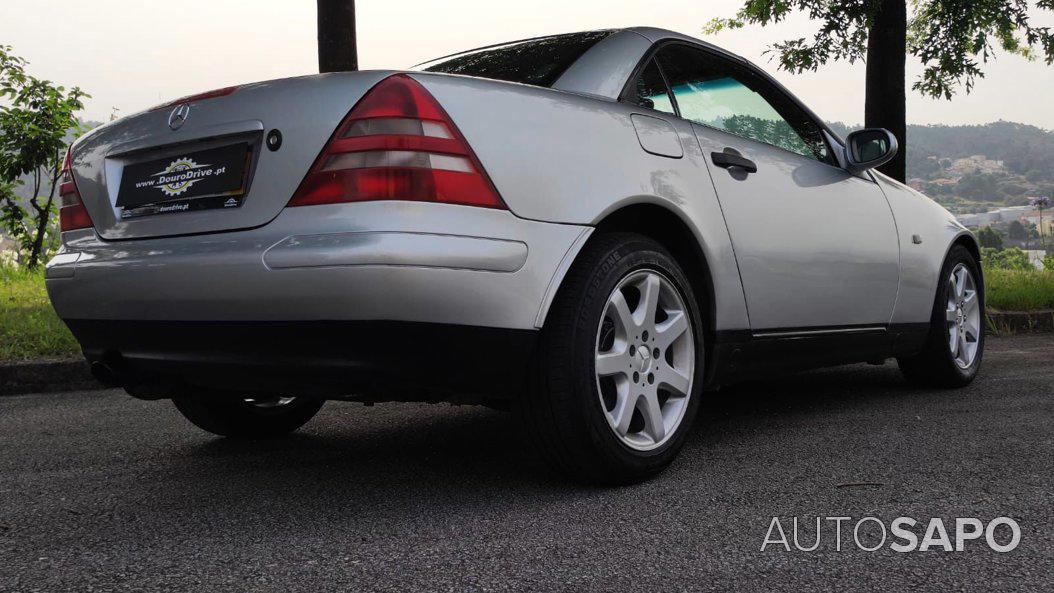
(645, 359)
(963, 316)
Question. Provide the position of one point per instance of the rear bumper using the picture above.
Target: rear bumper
(374, 261)
(372, 360)
(352, 299)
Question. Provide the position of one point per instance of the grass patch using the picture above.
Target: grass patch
(1017, 290)
(29, 327)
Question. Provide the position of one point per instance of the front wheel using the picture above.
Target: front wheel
(250, 417)
(954, 346)
(615, 384)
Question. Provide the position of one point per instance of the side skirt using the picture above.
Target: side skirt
(740, 355)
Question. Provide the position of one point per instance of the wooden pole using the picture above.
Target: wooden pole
(336, 36)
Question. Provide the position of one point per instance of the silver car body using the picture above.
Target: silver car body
(799, 248)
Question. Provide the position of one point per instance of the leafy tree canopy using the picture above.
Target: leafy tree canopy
(989, 237)
(952, 38)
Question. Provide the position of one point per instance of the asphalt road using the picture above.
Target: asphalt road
(100, 492)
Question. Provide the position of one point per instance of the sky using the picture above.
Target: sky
(132, 54)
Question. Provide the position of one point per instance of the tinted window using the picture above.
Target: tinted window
(534, 61)
(721, 94)
(650, 90)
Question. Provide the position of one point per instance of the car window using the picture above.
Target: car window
(719, 93)
(538, 62)
(649, 90)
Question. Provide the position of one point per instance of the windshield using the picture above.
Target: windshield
(538, 62)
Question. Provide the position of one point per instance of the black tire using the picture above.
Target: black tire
(238, 418)
(935, 366)
(562, 413)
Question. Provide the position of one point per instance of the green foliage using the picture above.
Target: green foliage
(952, 39)
(977, 185)
(991, 239)
(1048, 263)
(35, 119)
(29, 327)
(1005, 259)
(1017, 231)
(1019, 290)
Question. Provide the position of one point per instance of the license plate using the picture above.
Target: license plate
(199, 180)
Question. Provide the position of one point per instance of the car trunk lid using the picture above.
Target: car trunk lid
(205, 164)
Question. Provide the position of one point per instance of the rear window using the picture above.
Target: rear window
(537, 62)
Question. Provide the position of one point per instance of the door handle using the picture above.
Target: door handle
(730, 157)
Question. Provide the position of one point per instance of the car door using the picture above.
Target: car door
(816, 246)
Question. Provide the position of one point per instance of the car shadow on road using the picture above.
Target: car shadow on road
(398, 448)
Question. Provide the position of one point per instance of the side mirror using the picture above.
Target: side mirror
(870, 148)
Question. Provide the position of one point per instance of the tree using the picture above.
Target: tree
(1017, 231)
(1039, 204)
(34, 124)
(336, 36)
(952, 38)
(989, 237)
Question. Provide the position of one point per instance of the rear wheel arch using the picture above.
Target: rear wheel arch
(671, 231)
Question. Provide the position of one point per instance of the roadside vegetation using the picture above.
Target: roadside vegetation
(29, 327)
(1018, 290)
(1013, 284)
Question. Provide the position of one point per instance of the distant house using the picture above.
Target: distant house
(1033, 217)
(977, 163)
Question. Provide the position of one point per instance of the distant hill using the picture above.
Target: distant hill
(977, 168)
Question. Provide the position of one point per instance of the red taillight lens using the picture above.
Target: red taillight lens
(72, 213)
(198, 97)
(397, 143)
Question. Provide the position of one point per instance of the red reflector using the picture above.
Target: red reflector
(72, 215)
(198, 97)
(397, 143)
(392, 183)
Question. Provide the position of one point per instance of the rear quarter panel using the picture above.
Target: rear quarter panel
(566, 158)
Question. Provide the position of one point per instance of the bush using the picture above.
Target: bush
(1005, 259)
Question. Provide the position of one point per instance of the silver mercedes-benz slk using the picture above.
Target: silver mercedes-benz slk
(590, 229)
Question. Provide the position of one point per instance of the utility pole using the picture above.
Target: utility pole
(336, 36)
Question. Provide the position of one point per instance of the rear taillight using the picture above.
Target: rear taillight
(72, 213)
(397, 143)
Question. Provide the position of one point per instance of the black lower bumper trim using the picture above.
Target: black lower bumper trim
(374, 360)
